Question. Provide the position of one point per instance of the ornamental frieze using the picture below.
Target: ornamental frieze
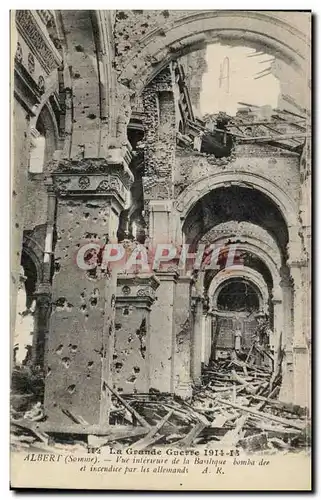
(93, 168)
(85, 184)
(146, 292)
(29, 26)
(112, 183)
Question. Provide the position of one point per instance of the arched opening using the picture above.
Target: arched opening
(235, 203)
(238, 308)
(269, 32)
(241, 307)
(239, 296)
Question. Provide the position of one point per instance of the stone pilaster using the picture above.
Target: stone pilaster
(197, 312)
(207, 338)
(287, 340)
(162, 336)
(131, 364)
(90, 197)
(183, 337)
(278, 321)
(301, 362)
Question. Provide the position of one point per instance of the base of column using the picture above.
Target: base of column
(184, 391)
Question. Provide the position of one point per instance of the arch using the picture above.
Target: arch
(244, 273)
(259, 248)
(248, 296)
(187, 31)
(192, 194)
(256, 239)
(51, 86)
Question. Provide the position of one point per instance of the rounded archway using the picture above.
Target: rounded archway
(191, 195)
(238, 295)
(238, 275)
(184, 32)
(235, 203)
(239, 301)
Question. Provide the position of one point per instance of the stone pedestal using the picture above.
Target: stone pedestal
(90, 196)
(131, 364)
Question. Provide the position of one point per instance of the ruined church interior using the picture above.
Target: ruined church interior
(142, 128)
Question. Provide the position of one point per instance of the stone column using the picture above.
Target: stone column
(301, 364)
(278, 320)
(183, 327)
(162, 336)
(159, 123)
(196, 368)
(90, 197)
(213, 316)
(131, 365)
(208, 338)
(286, 392)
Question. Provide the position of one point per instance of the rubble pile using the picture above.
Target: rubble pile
(235, 406)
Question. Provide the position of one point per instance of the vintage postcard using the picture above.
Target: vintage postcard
(160, 250)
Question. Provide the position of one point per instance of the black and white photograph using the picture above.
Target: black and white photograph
(161, 249)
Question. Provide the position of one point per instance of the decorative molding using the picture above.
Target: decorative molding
(91, 184)
(137, 290)
(92, 167)
(84, 182)
(126, 290)
(146, 292)
(29, 26)
(31, 63)
(41, 84)
(19, 53)
(46, 16)
(111, 183)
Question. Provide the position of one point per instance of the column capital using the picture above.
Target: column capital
(92, 179)
(133, 288)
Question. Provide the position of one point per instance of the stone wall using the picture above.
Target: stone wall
(280, 167)
(18, 194)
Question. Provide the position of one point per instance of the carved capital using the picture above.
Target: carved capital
(132, 288)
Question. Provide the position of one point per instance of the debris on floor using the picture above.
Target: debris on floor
(236, 406)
